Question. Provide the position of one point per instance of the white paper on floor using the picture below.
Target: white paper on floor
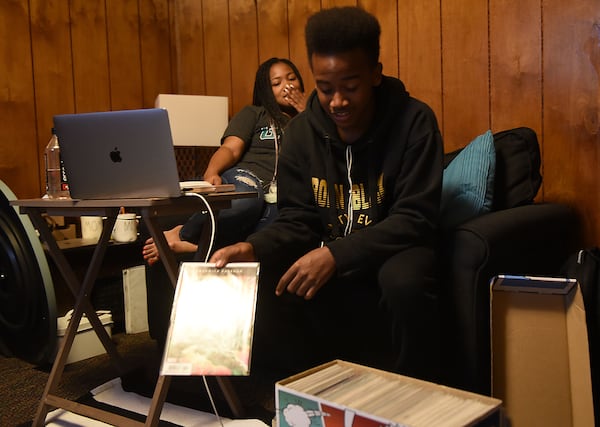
(112, 393)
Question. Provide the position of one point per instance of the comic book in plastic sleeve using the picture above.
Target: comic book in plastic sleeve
(212, 320)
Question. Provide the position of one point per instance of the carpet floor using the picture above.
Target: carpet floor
(22, 384)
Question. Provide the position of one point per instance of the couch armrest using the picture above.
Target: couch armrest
(534, 239)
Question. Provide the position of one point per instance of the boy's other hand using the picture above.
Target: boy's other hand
(308, 274)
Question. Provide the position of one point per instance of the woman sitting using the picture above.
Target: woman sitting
(247, 158)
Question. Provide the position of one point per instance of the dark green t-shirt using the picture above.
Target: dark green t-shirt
(252, 125)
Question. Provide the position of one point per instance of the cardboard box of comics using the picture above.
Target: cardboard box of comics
(540, 355)
(340, 393)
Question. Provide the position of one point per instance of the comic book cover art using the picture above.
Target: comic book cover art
(212, 320)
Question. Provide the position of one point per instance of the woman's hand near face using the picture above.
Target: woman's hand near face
(294, 97)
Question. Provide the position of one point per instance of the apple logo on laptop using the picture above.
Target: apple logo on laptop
(115, 155)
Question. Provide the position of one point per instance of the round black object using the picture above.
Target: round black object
(27, 301)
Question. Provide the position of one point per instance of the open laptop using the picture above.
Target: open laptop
(118, 154)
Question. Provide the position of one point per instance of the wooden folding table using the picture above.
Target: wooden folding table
(150, 210)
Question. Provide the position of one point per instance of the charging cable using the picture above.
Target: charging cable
(212, 240)
(213, 224)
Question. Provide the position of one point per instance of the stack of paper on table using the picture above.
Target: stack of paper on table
(205, 187)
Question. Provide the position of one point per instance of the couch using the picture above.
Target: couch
(513, 235)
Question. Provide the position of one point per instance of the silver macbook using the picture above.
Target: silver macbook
(125, 154)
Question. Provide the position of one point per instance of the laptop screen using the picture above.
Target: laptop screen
(118, 154)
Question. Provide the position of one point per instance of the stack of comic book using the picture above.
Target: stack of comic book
(340, 393)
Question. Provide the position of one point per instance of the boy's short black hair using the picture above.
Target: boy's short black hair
(341, 29)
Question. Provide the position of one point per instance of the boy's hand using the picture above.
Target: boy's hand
(308, 274)
(239, 252)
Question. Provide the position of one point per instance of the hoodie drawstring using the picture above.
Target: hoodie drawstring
(336, 231)
(349, 209)
(373, 181)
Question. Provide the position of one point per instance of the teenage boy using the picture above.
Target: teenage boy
(352, 256)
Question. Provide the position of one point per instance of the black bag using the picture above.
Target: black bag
(585, 267)
(517, 177)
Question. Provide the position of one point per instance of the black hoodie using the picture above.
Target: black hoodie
(396, 177)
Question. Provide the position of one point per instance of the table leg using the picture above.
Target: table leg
(158, 400)
(231, 397)
(81, 289)
(82, 304)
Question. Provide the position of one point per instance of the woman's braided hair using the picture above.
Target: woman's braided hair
(263, 92)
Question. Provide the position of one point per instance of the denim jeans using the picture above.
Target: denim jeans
(243, 218)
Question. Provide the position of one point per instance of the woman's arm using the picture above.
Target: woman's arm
(227, 155)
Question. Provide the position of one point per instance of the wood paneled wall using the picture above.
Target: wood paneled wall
(481, 65)
(64, 56)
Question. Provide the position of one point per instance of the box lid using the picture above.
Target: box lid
(62, 323)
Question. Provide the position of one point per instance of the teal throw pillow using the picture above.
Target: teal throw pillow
(468, 185)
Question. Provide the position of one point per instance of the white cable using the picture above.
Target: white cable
(350, 210)
(212, 402)
(212, 222)
(212, 239)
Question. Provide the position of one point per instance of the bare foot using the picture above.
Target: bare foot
(150, 252)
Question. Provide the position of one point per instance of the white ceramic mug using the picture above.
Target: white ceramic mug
(125, 229)
(91, 227)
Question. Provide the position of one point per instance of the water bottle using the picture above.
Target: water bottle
(56, 178)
